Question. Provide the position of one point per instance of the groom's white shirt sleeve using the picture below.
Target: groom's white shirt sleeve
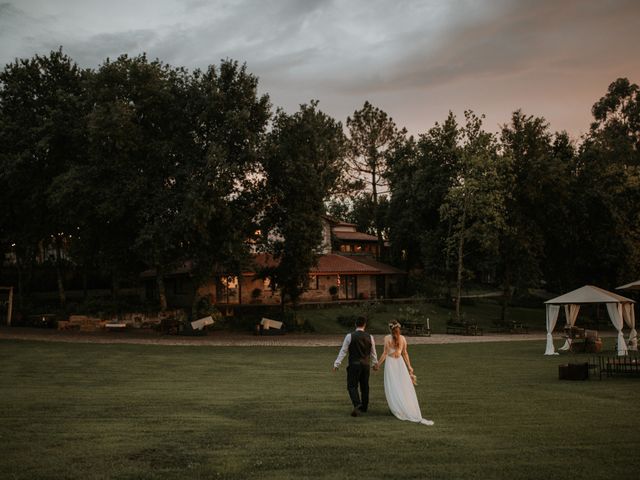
(343, 351)
(374, 355)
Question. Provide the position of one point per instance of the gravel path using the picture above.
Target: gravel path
(226, 339)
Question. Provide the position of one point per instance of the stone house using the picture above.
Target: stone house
(347, 261)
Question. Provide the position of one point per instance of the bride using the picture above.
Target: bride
(399, 378)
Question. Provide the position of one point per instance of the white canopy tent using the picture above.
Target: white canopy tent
(630, 286)
(633, 336)
(620, 311)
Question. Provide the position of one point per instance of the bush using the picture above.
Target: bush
(348, 321)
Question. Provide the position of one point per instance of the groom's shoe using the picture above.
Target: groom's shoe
(355, 412)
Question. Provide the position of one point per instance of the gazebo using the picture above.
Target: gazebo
(620, 311)
(630, 286)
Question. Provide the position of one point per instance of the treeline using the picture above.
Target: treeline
(140, 165)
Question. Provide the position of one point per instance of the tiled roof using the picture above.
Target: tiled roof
(330, 264)
(363, 237)
(333, 263)
(382, 267)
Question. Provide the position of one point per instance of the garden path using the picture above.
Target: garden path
(227, 339)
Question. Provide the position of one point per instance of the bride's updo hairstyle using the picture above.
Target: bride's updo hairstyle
(394, 328)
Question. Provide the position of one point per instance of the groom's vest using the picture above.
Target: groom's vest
(360, 348)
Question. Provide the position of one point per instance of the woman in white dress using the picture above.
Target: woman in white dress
(399, 378)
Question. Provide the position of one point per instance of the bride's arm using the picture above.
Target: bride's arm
(384, 353)
(405, 355)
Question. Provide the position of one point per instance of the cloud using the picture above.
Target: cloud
(410, 56)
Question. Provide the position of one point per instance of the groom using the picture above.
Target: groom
(361, 349)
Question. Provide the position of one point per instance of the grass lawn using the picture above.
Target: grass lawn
(157, 412)
(484, 312)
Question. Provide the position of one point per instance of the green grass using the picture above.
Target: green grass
(483, 312)
(157, 412)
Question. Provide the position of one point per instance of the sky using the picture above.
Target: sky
(416, 60)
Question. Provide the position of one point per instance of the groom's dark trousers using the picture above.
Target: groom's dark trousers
(359, 369)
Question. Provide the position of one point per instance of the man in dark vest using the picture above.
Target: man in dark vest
(362, 353)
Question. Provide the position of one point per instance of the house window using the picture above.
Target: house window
(348, 286)
(313, 282)
(227, 289)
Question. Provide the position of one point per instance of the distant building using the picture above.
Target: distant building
(348, 261)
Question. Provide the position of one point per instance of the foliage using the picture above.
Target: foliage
(537, 192)
(608, 186)
(347, 321)
(303, 160)
(474, 205)
(222, 203)
(373, 139)
(42, 104)
(420, 175)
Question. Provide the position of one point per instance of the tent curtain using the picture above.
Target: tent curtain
(630, 319)
(571, 314)
(616, 315)
(552, 318)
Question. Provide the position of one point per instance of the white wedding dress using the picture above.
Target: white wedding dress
(400, 392)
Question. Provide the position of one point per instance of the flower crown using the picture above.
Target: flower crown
(393, 325)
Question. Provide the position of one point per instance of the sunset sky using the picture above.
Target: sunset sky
(414, 59)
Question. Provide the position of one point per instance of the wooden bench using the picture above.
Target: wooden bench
(464, 328)
(511, 327)
(415, 328)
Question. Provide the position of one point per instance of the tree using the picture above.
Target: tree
(139, 142)
(223, 200)
(42, 133)
(373, 137)
(420, 174)
(474, 205)
(608, 179)
(303, 162)
(537, 194)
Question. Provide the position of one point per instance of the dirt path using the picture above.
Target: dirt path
(226, 339)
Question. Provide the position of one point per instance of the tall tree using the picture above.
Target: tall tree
(373, 137)
(420, 175)
(537, 190)
(303, 162)
(223, 201)
(474, 205)
(139, 143)
(608, 177)
(41, 133)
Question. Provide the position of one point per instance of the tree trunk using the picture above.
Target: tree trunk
(115, 285)
(20, 284)
(447, 264)
(59, 276)
(194, 305)
(460, 261)
(506, 294)
(85, 284)
(162, 293)
(374, 196)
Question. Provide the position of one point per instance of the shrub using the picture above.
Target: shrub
(348, 321)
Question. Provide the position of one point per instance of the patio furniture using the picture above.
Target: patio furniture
(464, 328)
(412, 327)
